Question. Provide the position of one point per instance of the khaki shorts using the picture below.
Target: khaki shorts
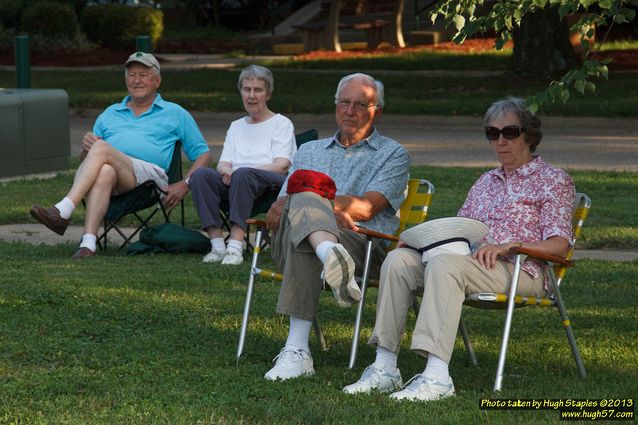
(146, 171)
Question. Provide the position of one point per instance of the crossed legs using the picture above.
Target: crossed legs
(104, 170)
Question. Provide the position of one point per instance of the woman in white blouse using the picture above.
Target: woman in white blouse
(257, 153)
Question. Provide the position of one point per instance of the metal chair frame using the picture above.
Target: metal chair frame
(413, 211)
(556, 274)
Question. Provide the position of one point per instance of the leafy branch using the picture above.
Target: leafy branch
(506, 15)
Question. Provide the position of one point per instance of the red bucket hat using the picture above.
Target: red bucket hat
(312, 181)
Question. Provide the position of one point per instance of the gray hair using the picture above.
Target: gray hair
(530, 122)
(258, 72)
(367, 80)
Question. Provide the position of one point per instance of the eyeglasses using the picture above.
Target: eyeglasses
(142, 76)
(509, 132)
(357, 106)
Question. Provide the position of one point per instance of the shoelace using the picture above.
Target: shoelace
(418, 380)
(288, 351)
(366, 373)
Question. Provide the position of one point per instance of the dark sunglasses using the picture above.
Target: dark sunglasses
(510, 132)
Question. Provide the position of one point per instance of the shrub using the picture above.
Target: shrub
(55, 20)
(11, 12)
(116, 25)
(6, 39)
(47, 45)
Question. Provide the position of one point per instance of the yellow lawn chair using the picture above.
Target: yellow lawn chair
(413, 211)
(509, 301)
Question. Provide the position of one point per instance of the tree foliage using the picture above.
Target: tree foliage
(505, 16)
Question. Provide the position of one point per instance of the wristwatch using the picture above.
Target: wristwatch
(187, 180)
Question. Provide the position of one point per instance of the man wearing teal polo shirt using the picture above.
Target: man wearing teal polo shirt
(131, 142)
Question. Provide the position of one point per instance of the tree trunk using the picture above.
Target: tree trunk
(396, 25)
(331, 32)
(541, 45)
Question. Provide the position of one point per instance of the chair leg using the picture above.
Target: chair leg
(568, 329)
(467, 342)
(319, 333)
(249, 294)
(357, 321)
(498, 383)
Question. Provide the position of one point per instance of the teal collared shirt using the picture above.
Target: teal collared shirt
(375, 164)
(151, 137)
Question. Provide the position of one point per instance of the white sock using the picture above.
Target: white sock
(236, 246)
(218, 244)
(386, 359)
(66, 207)
(322, 250)
(88, 241)
(437, 368)
(299, 333)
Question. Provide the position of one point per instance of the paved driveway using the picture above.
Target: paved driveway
(571, 143)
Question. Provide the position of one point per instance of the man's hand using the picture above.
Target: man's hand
(273, 216)
(88, 140)
(345, 221)
(487, 254)
(174, 193)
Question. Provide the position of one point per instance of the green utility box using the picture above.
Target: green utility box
(34, 131)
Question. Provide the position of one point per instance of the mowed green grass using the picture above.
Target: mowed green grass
(152, 340)
(612, 223)
(312, 91)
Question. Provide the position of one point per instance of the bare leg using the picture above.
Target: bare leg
(315, 238)
(102, 153)
(237, 233)
(214, 232)
(97, 199)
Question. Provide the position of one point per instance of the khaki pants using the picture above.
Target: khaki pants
(304, 213)
(445, 282)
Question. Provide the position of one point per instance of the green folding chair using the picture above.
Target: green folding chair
(142, 202)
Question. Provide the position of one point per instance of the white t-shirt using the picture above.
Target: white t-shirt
(252, 145)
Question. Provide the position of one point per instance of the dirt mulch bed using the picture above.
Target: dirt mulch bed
(95, 57)
(621, 59)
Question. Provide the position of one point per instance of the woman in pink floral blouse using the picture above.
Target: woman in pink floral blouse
(525, 202)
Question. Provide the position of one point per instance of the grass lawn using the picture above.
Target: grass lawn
(312, 91)
(612, 222)
(152, 340)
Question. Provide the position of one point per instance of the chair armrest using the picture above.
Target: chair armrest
(543, 256)
(378, 235)
(255, 222)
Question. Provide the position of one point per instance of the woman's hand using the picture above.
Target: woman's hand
(488, 254)
(226, 177)
(225, 170)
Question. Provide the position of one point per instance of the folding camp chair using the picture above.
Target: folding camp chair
(510, 301)
(413, 211)
(263, 203)
(135, 201)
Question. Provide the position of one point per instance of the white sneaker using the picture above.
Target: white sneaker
(374, 378)
(232, 258)
(291, 363)
(214, 256)
(424, 388)
(338, 272)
